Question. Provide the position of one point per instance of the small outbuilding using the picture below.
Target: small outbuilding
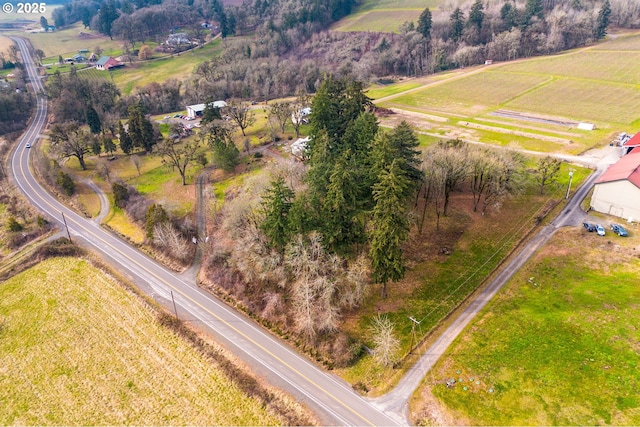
(617, 191)
(106, 63)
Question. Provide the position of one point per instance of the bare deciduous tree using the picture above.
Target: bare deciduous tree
(240, 113)
(178, 154)
(168, 237)
(280, 111)
(102, 169)
(136, 162)
(314, 288)
(301, 102)
(384, 340)
(547, 171)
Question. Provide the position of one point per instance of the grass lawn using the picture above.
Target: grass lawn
(557, 346)
(78, 349)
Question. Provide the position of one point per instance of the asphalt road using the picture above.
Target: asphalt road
(332, 399)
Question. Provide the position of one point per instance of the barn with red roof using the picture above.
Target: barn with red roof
(617, 191)
(631, 143)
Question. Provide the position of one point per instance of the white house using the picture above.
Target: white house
(196, 110)
(178, 39)
(299, 147)
(617, 191)
(300, 116)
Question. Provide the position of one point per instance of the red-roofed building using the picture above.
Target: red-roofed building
(106, 63)
(631, 143)
(617, 191)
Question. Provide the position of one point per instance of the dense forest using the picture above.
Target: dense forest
(283, 46)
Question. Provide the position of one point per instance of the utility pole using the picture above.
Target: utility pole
(569, 187)
(413, 332)
(66, 226)
(174, 305)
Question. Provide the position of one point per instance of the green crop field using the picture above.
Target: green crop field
(550, 95)
(613, 67)
(475, 94)
(558, 346)
(384, 15)
(604, 104)
(397, 4)
(78, 349)
(386, 21)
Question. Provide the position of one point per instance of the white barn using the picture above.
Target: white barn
(617, 191)
(196, 110)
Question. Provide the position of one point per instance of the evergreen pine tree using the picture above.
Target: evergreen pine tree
(276, 204)
(389, 226)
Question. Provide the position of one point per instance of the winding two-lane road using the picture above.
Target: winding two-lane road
(330, 397)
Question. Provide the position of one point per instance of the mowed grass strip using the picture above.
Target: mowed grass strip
(77, 349)
(472, 95)
(558, 346)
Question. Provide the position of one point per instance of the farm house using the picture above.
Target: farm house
(617, 191)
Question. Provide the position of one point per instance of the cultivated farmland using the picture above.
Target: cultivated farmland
(558, 346)
(546, 97)
(78, 349)
(384, 15)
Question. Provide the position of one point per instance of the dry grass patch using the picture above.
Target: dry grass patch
(77, 349)
(119, 222)
(5, 42)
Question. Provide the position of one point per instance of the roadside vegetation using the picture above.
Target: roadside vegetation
(78, 348)
(560, 329)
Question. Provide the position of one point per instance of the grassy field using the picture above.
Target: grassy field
(558, 346)
(158, 70)
(69, 41)
(78, 349)
(545, 91)
(384, 15)
(34, 17)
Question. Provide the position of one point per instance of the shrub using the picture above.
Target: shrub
(120, 194)
(42, 222)
(65, 182)
(14, 225)
(156, 215)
